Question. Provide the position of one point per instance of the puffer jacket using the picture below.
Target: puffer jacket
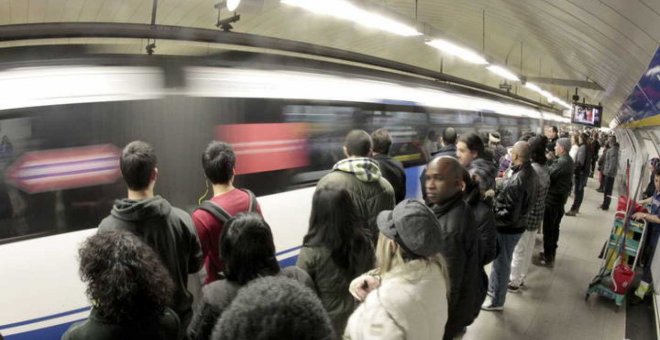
(331, 282)
(611, 164)
(460, 248)
(369, 191)
(171, 233)
(411, 303)
(561, 180)
(516, 199)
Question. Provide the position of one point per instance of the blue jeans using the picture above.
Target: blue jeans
(499, 274)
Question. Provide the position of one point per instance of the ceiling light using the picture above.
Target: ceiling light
(343, 9)
(502, 72)
(232, 5)
(458, 51)
(533, 87)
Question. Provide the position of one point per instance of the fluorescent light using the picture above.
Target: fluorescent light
(533, 87)
(551, 98)
(232, 5)
(343, 9)
(458, 51)
(502, 72)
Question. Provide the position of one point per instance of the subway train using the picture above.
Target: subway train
(64, 121)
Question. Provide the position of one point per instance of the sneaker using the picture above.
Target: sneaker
(490, 307)
(513, 288)
(571, 213)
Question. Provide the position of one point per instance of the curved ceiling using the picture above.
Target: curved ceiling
(609, 42)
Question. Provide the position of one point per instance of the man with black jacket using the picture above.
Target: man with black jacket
(553, 135)
(167, 229)
(390, 168)
(459, 246)
(561, 179)
(512, 205)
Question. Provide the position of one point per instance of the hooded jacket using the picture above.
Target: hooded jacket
(369, 191)
(460, 248)
(411, 303)
(516, 200)
(170, 232)
(394, 173)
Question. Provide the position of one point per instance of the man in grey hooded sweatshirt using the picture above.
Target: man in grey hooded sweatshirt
(360, 175)
(168, 230)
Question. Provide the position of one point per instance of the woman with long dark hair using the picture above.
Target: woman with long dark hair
(336, 249)
(130, 290)
(248, 252)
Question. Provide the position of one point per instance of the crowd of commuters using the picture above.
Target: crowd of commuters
(373, 264)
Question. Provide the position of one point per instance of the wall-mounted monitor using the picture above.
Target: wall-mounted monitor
(585, 114)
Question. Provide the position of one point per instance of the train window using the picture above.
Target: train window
(407, 130)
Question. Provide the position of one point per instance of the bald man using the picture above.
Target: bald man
(512, 205)
(459, 247)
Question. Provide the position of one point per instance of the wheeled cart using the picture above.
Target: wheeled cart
(623, 246)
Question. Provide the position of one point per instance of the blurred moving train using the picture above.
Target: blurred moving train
(64, 121)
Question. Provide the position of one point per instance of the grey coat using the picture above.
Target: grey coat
(611, 164)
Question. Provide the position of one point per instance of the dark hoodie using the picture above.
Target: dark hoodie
(369, 190)
(170, 232)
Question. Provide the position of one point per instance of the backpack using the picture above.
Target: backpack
(221, 214)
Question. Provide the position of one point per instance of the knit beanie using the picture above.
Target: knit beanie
(565, 143)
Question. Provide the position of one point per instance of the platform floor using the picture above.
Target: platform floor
(551, 304)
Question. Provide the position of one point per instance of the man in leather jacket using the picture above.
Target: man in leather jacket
(561, 179)
(459, 246)
(511, 208)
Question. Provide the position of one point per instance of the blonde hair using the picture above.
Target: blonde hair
(389, 255)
